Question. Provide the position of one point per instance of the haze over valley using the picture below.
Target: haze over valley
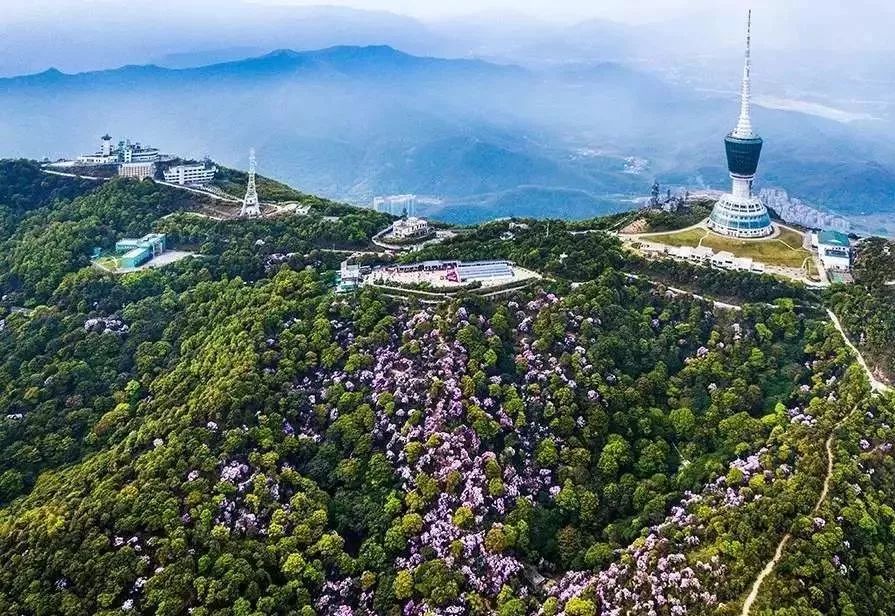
(524, 116)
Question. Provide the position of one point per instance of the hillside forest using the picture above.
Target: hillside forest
(226, 435)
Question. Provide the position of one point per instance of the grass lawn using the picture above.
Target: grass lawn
(108, 262)
(785, 249)
(690, 237)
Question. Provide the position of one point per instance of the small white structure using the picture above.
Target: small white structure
(724, 259)
(350, 276)
(701, 254)
(743, 264)
(97, 159)
(106, 155)
(140, 171)
(409, 228)
(190, 174)
(681, 252)
(651, 248)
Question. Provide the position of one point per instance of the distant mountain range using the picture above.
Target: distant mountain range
(485, 139)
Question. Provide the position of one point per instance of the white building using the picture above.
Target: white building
(350, 273)
(701, 254)
(834, 249)
(681, 252)
(694, 254)
(97, 159)
(137, 153)
(190, 174)
(125, 152)
(408, 228)
(650, 248)
(743, 264)
(141, 171)
(724, 259)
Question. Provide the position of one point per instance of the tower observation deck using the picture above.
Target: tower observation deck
(739, 213)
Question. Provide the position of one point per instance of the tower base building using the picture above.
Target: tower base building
(746, 218)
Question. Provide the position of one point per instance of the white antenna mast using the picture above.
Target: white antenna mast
(251, 207)
(744, 124)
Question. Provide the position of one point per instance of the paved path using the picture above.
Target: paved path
(875, 384)
(199, 191)
(351, 252)
(699, 225)
(75, 175)
(191, 213)
(676, 291)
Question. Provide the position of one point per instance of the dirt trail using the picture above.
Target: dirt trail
(778, 553)
(875, 383)
(878, 388)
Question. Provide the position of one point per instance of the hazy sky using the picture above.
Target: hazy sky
(632, 11)
(622, 10)
(77, 35)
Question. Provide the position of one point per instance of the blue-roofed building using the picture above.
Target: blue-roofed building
(135, 257)
(834, 249)
(478, 271)
(134, 252)
(834, 238)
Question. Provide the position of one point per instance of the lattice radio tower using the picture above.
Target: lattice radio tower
(250, 205)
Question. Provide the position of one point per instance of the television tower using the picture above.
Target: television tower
(251, 208)
(740, 213)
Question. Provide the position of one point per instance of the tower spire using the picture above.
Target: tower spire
(250, 205)
(743, 129)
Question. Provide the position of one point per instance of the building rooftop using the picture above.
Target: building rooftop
(134, 252)
(833, 238)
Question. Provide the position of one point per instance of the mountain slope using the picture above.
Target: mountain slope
(228, 435)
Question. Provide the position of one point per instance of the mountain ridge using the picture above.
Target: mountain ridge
(349, 56)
